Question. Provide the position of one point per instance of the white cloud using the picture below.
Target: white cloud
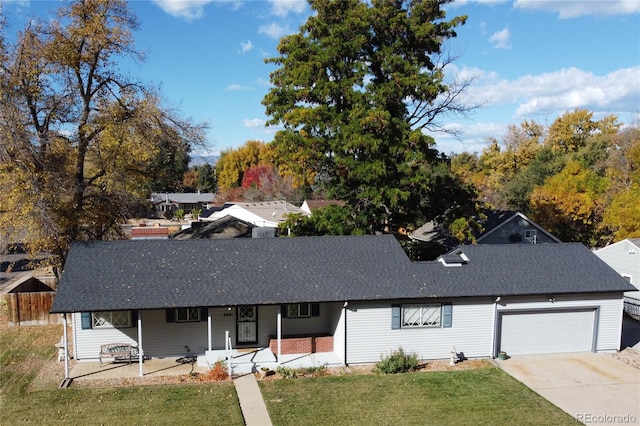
(254, 123)
(473, 138)
(501, 39)
(283, 7)
(617, 92)
(188, 9)
(236, 88)
(246, 47)
(554, 92)
(571, 8)
(273, 30)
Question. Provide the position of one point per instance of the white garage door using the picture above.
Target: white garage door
(539, 332)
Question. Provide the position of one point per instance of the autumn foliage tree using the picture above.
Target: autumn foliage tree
(79, 140)
(578, 177)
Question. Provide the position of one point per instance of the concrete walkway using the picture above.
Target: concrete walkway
(593, 388)
(252, 405)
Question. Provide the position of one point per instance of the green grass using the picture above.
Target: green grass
(23, 400)
(471, 397)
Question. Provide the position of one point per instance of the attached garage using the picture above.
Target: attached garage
(547, 331)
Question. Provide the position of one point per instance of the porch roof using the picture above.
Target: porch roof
(157, 274)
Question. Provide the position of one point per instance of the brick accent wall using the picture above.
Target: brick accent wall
(302, 345)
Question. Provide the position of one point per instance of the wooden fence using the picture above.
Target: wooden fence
(30, 301)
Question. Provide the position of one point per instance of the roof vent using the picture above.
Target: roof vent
(457, 258)
(263, 232)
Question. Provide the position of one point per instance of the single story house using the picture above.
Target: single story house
(358, 297)
(262, 214)
(171, 201)
(624, 258)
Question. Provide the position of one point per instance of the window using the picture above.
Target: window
(530, 234)
(301, 310)
(111, 319)
(187, 314)
(422, 315)
(298, 310)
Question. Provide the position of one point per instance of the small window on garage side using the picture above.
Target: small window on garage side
(531, 235)
(111, 319)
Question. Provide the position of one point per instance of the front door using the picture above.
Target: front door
(247, 324)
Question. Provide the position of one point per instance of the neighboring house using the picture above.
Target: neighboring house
(499, 227)
(225, 227)
(149, 233)
(513, 228)
(624, 258)
(308, 206)
(262, 214)
(356, 297)
(170, 202)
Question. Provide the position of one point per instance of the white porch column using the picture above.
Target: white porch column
(65, 344)
(209, 330)
(140, 351)
(279, 335)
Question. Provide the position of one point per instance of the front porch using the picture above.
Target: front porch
(243, 362)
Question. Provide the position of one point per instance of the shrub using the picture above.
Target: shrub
(286, 372)
(217, 373)
(397, 362)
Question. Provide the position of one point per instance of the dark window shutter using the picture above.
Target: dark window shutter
(283, 311)
(315, 309)
(395, 317)
(204, 314)
(447, 315)
(170, 315)
(134, 318)
(86, 320)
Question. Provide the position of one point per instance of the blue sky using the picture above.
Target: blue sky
(530, 59)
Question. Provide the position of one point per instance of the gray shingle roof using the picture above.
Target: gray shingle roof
(153, 274)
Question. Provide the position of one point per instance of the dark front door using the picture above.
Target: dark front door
(247, 325)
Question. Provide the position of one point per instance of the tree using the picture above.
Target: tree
(622, 216)
(353, 90)
(569, 132)
(233, 163)
(79, 139)
(569, 204)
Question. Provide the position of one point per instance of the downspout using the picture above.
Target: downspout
(209, 330)
(494, 340)
(344, 307)
(279, 335)
(140, 350)
(65, 343)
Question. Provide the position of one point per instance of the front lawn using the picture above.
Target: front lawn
(25, 399)
(469, 397)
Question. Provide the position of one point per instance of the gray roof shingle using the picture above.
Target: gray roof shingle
(155, 274)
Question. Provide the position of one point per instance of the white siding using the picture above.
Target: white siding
(370, 336)
(624, 258)
(161, 338)
(338, 333)
(87, 342)
(608, 317)
(311, 325)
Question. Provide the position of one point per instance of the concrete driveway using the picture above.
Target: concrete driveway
(593, 388)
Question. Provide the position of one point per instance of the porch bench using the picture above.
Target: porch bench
(118, 352)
